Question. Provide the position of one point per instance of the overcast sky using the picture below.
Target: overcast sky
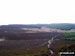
(37, 11)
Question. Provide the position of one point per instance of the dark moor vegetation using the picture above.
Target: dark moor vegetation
(19, 43)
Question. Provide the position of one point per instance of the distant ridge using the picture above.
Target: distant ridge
(62, 26)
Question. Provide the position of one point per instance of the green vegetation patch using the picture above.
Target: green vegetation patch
(68, 36)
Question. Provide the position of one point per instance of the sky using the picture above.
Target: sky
(37, 11)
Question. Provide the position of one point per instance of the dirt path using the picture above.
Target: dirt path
(49, 44)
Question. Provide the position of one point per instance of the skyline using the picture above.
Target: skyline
(36, 12)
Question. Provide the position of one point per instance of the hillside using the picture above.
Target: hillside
(32, 40)
(62, 26)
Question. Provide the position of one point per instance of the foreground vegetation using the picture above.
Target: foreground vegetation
(24, 52)
(28, 47)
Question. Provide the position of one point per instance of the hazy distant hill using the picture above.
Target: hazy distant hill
(62, 26)
(15, 27)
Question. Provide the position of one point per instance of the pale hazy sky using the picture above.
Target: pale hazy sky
(37, 11)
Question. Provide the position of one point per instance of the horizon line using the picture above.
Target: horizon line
(37, 24)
